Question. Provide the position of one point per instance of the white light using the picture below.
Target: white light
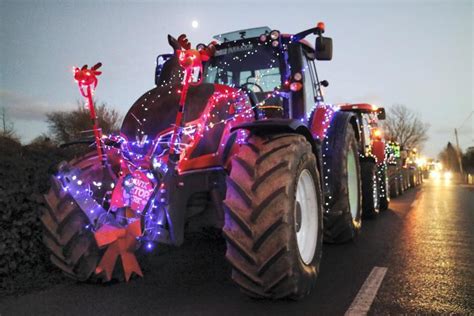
(195, 24)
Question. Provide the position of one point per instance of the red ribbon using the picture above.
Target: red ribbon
(121, 242)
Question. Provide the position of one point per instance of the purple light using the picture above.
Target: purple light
(149, 246)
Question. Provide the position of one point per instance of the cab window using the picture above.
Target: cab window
(308, 85)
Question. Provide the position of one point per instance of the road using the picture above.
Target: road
(425, 242)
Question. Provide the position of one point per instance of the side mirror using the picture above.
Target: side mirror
(160, 61)
(323, 48)
(381, 113)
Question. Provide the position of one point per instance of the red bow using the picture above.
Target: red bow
(122, 242)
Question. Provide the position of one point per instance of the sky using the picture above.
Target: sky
(415, 53)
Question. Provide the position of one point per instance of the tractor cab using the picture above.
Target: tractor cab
(277, 71)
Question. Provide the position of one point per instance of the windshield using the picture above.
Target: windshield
(252, 65)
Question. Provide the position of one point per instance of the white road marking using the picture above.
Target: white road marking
(366, 295)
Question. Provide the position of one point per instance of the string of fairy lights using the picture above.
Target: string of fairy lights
(237, 108)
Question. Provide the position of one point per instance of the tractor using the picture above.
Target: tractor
(372, 157)
(235, 135)
(395, 177)
(413, 170)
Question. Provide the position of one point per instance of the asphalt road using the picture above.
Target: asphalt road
(425, 242)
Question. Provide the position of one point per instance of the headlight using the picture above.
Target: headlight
(448, 175)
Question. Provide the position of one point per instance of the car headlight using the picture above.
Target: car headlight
(448, 175)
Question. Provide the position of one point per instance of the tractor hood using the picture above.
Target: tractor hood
(155, 112)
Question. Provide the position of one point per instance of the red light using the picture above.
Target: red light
(296, 86)
(321, 26)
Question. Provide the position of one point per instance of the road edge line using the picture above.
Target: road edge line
(366, 295)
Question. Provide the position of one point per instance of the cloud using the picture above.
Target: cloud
(23, 107)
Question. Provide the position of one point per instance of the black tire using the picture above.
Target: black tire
(339, 224)
(72, 245)
(413, 180)
(383, 184)
(260, 217)
(370, 189)
(393, 187)
(400, 183)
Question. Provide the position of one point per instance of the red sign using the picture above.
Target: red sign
(132, 190)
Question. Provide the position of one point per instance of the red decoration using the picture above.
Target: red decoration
(87, 81)
(133, 190)
(191, 62)
(121, 242)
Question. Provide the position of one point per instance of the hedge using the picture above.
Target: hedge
(24, 178)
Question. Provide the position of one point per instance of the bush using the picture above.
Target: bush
(24, 178)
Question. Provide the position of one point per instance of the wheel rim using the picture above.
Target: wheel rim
(306, 216)
(352, 184)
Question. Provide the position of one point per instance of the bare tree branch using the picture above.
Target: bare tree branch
(405, 126)
(8, 128)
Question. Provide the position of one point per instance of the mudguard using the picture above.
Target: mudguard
(278, 126)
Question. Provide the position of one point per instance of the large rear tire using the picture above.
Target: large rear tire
(370, 189)
(273, 220)
(342, 177)
(73, 247)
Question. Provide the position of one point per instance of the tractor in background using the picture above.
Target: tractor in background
(372, 157)
(412, 169)
(236, 135)
(394, 168)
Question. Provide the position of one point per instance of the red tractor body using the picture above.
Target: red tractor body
(235, 135)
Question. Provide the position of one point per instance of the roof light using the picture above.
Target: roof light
(321, 26)
(200, 46)
(274, 34)
(263, 38)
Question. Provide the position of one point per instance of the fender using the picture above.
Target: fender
(320, 119)
(378, 150)
(277, 126)
(349, 117)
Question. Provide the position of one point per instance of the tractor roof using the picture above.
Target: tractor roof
(253, 33)
(362, 107)
(242, 34)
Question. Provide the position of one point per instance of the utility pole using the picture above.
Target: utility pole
(458, 153)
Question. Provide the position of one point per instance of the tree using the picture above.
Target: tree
(449, 158)
(8, 128)
(77, 124)
(405, 126)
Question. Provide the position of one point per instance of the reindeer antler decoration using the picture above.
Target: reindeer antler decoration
(191, 62)
(87, 82)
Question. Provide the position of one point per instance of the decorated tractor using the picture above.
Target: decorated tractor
(373, 163)
(235, 135)
(395, 172)
(412, 169)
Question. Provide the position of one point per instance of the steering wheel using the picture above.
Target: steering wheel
(245, 86)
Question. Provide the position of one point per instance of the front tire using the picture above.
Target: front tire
(273, 220)
(370, 189)
(343, 213)
(72, 246)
